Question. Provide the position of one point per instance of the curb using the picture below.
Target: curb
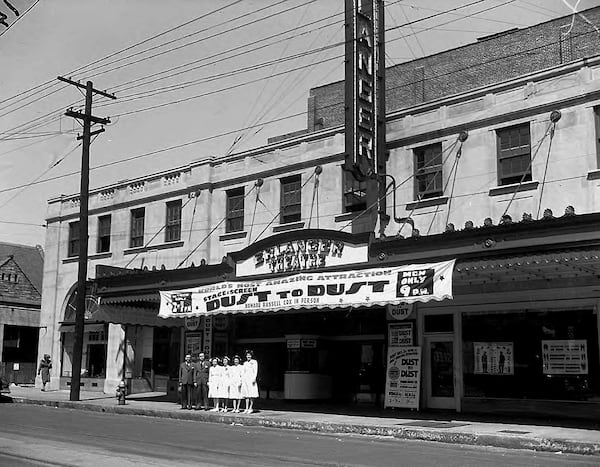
(473, 439)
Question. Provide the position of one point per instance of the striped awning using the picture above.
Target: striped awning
(132, 298)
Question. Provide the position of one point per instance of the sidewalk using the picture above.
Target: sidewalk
(412, 425)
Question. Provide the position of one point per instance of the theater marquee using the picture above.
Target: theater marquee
(358, 288)
(301, 255)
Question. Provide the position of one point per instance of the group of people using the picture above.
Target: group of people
(219, 379)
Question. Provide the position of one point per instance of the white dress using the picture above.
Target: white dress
(235, 381)
(249, 374)
(215, 375)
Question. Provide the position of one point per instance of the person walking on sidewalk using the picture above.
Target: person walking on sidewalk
(249, 383)
(201, 380)
(186, 382)
(44, 370)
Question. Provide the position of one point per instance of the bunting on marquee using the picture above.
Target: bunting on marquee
(357, 288)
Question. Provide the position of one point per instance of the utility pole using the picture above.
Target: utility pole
(87, 118)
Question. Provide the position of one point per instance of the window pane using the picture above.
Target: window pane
(291, 199)
(103, 245)
(428, 171)
(137, 228)
(235, 210)
(514, 154)
(355, 193)
(173, 224)
(73, 247)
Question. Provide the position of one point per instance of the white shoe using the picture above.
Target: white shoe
(214, 409)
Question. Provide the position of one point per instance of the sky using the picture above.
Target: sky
(193, 78)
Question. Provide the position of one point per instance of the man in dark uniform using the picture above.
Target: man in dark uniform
(201, 382)
(186, 382)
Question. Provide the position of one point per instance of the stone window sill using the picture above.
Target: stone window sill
(348, 216)
(74, 259)
(507, 189)
(160, 246)
(290, 226)
(426, 203)
(232, 236)
(593, 175)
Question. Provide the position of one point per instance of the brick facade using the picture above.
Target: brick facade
(491, 60)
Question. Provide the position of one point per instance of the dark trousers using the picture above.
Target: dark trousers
(202, 394)
(187, 395)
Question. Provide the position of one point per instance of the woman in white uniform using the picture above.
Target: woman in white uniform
(235, 383)
(249, 384)
(215, 375)
(223, 389)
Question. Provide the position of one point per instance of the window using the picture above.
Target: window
(73, 249)
(355, 193)
(103, 234)
(173, 225)
(597, 126)
(514, 154)
(137, 228)
(291, 199)
(235, 210)
(428, 171)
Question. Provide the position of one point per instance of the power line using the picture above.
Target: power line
(53, 82)
(151, 153)
(147, 40)
(48, 169)
(228, 74)
(19, 17)
(228, 88)
(285, 117)
(120, 88)
(236, 28)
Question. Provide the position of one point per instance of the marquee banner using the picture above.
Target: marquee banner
(363, 287)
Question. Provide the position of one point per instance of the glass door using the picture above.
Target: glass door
(440, 367)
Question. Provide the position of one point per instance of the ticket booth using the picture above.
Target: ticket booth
(303, 378)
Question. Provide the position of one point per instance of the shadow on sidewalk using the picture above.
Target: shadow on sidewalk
(368, 410)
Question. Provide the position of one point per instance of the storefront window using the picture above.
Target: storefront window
(94, 351)
(534, 355)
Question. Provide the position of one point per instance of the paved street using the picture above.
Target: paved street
(34, 435)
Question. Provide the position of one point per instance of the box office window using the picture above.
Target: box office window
(531, 355)
(514, 154)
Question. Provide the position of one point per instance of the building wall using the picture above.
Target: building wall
(573, 89)
(495, 59)
(564, 169)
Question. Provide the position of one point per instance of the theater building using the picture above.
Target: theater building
(504, 128)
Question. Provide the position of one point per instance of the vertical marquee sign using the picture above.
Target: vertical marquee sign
(364, 88)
